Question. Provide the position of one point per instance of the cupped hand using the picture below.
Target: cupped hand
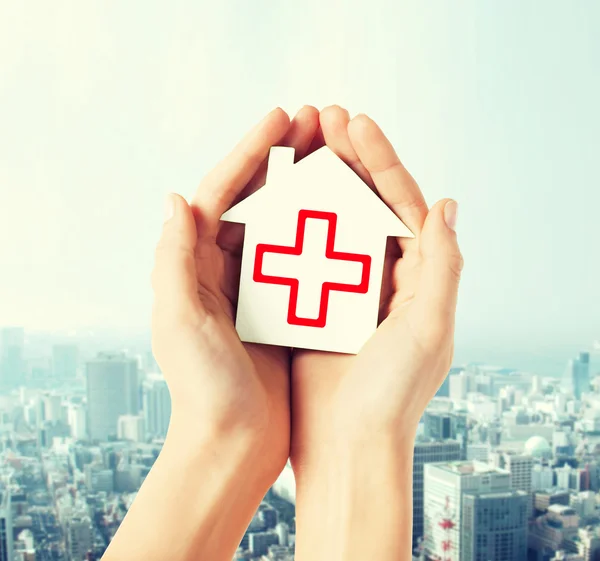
(346, 400)
(221, 388)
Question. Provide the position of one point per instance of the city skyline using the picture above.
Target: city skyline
(110, 106)
(494, 448)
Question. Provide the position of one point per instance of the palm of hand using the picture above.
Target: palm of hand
(213, 378)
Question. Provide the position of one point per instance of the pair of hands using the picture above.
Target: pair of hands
(296, 403)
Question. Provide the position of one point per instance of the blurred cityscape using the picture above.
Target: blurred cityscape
(506, 463)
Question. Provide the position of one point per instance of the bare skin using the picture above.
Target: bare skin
(352, 418)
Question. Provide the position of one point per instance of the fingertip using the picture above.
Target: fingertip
(362, 126)
(169, 209)
(333, 114)
(279, 118)
(308, 111)
(308, 116)
(180, 219)
(451, 214)
(444, 212)
(179, 203)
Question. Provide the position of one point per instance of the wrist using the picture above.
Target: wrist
(354, 493)
(355, 453)
(236, 453)
(349, 443)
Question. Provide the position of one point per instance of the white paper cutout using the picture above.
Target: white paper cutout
(312, 261)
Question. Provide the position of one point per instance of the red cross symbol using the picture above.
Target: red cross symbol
(330, 253)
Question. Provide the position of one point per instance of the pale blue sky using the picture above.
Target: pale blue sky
(107, 106)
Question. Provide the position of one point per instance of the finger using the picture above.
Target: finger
(299, 136)
(174, 274)
(302, 130)
(334, 124)
(220, 187)
(434, 305)
(317, 142)
(394, 184)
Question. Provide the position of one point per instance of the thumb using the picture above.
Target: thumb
(174, 274)
(442, 263)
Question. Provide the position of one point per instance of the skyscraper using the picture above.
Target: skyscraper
(79, 536)
(12, 363)
(425, 453)
(520, 467)
(6, 527)
(131, 427)
(76, 418)
(53, 407)
(64, 361)
(112, 391)
(578, 375)
(445, 485)
(494, 526)
(443, 425)
(157, 407)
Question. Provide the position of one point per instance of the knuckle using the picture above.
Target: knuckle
(456, 264)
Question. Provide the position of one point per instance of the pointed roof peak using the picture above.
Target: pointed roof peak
(281, 169)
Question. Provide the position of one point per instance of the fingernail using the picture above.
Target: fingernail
(450, 214)
(169, 207)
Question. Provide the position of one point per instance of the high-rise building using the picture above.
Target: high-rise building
(445, 485)
(12, 362)
(494, 526)
(458, 386)
(542, 477)
(77, 420)
(443, 425)
(53, 408)
(578, 375)
(259, 542)
(584, 504)
(6, 526)
(552, 531)
(544, 499)
(157, 407)
(520, 467)
(79, 537)
(98, 478)
(65, 359)
(112, 391)
(563, 442)
(425, 453)
(283, 532)
(588, 543)
(131, 427)
(568, 477)
(267, 515)
(439, 425)
(478, 451)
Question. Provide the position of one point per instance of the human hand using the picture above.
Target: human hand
(354, 417)
(229, 432)
(220, 388)
(383, 390)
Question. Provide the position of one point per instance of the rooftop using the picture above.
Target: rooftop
(497, 494)
(467, 467)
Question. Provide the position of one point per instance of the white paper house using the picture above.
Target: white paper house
(313, 254)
